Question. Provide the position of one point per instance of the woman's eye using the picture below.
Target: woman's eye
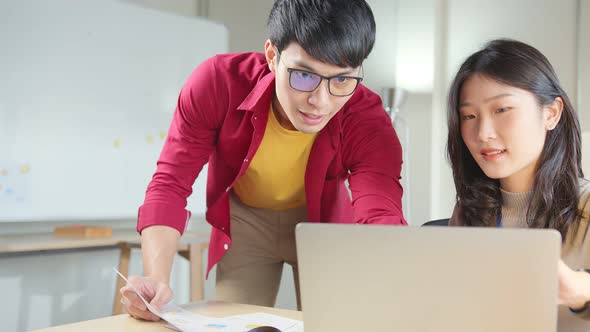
(467, 117)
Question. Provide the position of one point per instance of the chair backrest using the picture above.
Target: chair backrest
(437, 222)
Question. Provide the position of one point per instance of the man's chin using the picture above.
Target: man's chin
(307, 129)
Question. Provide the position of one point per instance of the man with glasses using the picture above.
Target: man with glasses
(282, 131)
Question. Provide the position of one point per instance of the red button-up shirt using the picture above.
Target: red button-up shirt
(220, 119)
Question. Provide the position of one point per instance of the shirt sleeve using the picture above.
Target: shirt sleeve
(190, 141)
(373, 154)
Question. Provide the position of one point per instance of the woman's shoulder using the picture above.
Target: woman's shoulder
(584, 200)
(581, 226)
(578, 233)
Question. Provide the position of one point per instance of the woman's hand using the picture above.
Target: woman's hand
(574, 287)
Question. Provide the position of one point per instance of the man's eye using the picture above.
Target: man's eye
(304, 75)
(341, 79)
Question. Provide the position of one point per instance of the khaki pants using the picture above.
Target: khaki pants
(262, 241)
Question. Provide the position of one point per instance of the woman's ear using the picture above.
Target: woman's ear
(270, 54)
(552, 113)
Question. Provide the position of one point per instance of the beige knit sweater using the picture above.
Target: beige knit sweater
(575, 251)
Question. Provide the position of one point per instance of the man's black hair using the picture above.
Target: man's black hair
(339, 32)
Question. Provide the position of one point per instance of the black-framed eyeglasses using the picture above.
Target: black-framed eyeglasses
(306, 81)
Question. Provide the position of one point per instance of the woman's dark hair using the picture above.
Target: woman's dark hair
(555, 196)
(338, 32)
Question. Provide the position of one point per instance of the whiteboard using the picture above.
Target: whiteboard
(87, 91)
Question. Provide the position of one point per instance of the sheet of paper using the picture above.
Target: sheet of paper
(295, 328)
(239, 323)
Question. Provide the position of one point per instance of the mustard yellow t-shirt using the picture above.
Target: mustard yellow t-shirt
(275, 178)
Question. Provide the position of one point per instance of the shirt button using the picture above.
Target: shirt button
(225, 246)
(227, 189)
(246, 160)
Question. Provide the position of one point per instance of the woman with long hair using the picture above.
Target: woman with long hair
(514, 146)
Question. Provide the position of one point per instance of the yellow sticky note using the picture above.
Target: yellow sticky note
(162, 134)
(3, 171)
(150, 139)
(117, 143)
(24, 169)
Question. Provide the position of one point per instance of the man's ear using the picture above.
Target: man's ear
(271, 55)
(552, 113)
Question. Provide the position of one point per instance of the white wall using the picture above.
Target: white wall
(416, 113)
(182, 7)
(245, 19)
(414, 71)
(586, 153)
(414, 40)
(583, 106)
(549, 25)
(379, 68)
(438, 128)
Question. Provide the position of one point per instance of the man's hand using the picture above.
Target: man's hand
(155, 292)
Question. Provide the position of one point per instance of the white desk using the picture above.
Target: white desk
(126, 323)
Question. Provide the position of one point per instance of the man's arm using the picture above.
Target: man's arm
(373, 154)
(158, 247)
(163, 217)
(190, 141)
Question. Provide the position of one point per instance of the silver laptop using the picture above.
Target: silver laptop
(357, 278)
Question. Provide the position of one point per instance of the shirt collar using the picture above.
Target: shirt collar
(261, 94)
